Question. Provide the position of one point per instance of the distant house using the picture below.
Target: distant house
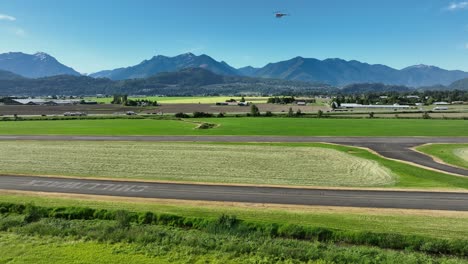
(440, 108)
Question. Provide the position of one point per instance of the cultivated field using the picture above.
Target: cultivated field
(242, 126)
(456, 154)
(108, 109)
(252, 164)
(185, 99)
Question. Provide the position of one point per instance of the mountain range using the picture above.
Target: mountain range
(34, 66)
(336, 72)
(186, 82)
(161, 63)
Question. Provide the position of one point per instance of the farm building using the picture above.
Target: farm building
(31, 101)
(395, 106)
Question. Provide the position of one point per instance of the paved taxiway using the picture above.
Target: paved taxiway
(245, 194)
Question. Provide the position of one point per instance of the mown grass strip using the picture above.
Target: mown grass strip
(455, 154)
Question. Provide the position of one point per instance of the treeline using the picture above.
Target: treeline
(281, 100)
(227, 224)
(123, 100)
(404, 98)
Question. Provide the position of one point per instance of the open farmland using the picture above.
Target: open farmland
(218, 163)
(109, 109)
(242, 126)
(456, 154)
(185, 99)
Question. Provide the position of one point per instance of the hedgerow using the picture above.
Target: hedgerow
(229, 224)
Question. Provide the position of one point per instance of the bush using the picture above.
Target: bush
(220, 115)
(181, 115)
(201, 114)
(228, 221)
(32, 214)
(206, 126)
(123, 219)
(146, 218)
(268, 113)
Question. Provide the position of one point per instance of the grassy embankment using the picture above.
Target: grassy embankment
(455, 154)
(242, 126)
(140, 236)
(305, 164)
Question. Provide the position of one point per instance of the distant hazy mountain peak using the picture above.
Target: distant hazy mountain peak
(160, 64)
(42, 56)
(422, 66)
(35, 65)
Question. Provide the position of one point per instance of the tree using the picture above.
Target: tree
(254, 111)
(426, 115)
(242, 99)
(320, 114)
(298, 112)
(371, 115)
(290, 112)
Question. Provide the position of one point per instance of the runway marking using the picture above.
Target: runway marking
(88, 186)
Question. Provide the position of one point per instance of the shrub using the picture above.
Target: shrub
(181, 115)
(123, 219)
(227, 221)
(32, 214)
(146, 218)
(268, 113)
(201, 114)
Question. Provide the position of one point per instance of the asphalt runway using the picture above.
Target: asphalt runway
(391, 147)
(244, 194)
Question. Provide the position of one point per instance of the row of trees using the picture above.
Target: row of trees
(409, 98)
(123, 100)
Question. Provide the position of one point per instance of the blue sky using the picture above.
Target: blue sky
(96, 35)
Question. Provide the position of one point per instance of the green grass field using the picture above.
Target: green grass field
(50, 241)
(248, 163)
(242, 126)
(186, 100)
(16, 248)
(455, 154)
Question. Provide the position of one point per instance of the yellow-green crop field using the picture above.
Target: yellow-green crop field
(218, 163)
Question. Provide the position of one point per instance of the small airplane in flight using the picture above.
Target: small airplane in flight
(279, 14)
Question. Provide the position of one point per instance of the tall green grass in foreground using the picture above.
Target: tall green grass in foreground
(242, 126)
(160, 235)
(449, 225)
